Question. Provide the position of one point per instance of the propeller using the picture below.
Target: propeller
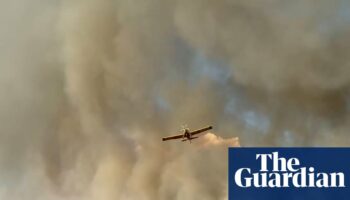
(184, 127)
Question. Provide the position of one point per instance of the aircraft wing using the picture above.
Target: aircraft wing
(201, 130)
(173, 137)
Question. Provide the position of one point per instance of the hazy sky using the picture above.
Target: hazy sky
(89, 87)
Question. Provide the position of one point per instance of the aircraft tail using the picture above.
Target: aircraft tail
(188, 139)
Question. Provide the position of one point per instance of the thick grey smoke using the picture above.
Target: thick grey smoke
(290, 58)
(88, 88)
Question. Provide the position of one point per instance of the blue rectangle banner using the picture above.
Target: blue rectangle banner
(289, 173)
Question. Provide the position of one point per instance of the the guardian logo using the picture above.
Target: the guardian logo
(289, 173)
(286, 173)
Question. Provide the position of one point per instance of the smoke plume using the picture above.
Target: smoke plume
(89, 88)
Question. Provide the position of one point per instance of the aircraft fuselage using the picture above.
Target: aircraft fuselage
(187, 134)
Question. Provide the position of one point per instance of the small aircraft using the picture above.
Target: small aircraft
(187, 134)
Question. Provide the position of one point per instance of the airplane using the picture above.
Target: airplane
(187, 134)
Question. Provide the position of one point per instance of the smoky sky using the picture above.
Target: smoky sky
(89, 87)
